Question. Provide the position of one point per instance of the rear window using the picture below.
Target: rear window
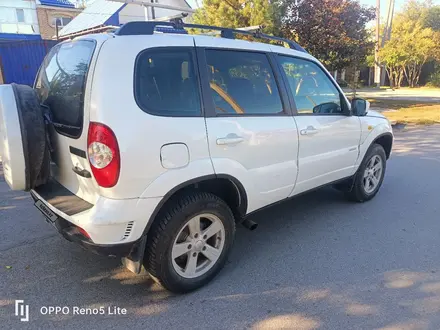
(61, 84)
(166, 83)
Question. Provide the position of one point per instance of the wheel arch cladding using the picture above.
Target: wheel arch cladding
(224, 186)
(386, 141)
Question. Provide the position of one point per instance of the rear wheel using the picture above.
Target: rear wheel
(189, 243)
(369, 176)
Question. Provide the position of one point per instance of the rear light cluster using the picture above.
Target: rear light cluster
(103, 152)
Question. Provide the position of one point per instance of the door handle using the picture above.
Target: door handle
(81, 172)
(230, 139)
(310, 130)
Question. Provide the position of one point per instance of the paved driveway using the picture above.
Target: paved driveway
(314, 262)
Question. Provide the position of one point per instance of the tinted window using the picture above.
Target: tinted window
(166, 83)
(61, 84)
(242, 83)
(312, 89)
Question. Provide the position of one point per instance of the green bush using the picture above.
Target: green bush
(434, 78)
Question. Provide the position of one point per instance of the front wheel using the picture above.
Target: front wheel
(189, 243)
(369, 176)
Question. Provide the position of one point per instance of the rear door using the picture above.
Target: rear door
(251, 134)
(63, 85)
(329, 134)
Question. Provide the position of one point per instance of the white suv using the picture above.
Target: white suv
(153, 146)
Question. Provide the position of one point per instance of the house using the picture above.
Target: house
(51, 11)
(102, 13)
(18, 20)
(31, 23)
(24, 26)
(34, 19)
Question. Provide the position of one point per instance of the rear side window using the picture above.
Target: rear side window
(61, 84)
(166, 83)
(242, 83)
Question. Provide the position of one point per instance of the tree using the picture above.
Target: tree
(422, 11)
(393, 56)
(240, 13)
(334, 31)
(412, 44)
(419, 46)
(432, 18)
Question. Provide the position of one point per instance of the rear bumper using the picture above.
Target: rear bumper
(71, 232)
(118, 223)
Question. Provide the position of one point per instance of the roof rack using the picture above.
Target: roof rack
(148, 28)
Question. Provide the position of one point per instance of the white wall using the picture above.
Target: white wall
(8, 17)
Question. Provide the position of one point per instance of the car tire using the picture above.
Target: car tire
(23, 140)
(367, 181)
(176, 227)
(33, 132)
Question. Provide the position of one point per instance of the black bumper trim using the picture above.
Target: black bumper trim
(61, 198)
(112, 250)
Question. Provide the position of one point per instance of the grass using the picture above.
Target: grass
(392, 104)
(421, 115)
(409, 112)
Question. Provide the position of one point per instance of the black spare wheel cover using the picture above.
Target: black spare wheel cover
(33, 134)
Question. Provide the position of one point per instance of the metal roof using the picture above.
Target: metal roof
(94, 15)
(57, 3)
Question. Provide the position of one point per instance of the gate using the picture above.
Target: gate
(20, 60)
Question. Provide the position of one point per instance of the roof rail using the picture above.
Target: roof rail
(148, 28)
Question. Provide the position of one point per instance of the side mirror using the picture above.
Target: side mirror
(360, 107)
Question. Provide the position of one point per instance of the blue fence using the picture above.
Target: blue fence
(20, 60)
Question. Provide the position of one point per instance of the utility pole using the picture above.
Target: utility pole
(153, 14)
(376, 50)
(389, 22)
(387, 33)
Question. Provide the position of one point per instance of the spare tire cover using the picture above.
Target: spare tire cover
(22, 136)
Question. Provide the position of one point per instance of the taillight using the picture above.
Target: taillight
(103, 151)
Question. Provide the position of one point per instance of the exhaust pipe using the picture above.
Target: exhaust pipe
(249, 224)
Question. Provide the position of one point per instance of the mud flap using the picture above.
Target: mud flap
(134, 262)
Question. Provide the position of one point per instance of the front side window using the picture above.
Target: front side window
(61, 83)
(311, 88)
(242, 83)
(166, 83)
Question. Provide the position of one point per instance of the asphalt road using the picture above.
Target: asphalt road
(316, 262)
